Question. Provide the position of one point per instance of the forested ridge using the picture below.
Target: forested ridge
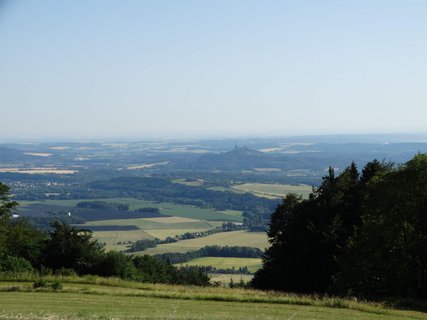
(361, 234)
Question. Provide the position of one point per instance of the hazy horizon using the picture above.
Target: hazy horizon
(191, 69)
(404, 137)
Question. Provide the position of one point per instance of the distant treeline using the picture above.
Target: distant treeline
(211, 251)
(210, 269)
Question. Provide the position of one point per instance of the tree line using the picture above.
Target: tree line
(211, 251)
(360, 234)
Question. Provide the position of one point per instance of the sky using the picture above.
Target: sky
(141, 69)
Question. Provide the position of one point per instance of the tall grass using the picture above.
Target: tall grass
(115, 286)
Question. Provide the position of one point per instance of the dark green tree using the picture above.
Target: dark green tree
(6, 205)
(388, 254)
(73, 248)
(308, 237)
(6, 210)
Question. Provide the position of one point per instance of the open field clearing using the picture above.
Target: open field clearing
(149, 228)
(38, 154)
(252, 264)
(233, 238)
(147, 224)
(98, 298)
(267, 169)
(172, 219)
(273, 190)
(166, 208)
(37, 170)
(190, 182)
(146, 165)
(112, 238)
(60, 148)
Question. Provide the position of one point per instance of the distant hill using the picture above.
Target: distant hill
(11, 155)
(240, 158)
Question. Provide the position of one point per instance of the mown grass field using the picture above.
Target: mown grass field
(97, 298)
(273, 190)
(233, 238)
(252, 264)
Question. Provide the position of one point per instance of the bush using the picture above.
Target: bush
(40, 283)
(56, 285)
(15, 265)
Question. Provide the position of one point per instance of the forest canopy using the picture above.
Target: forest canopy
(360, 233)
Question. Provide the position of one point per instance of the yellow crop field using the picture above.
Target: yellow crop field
(273, 190)
(234, 238)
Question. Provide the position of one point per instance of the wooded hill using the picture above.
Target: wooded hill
(362, 234)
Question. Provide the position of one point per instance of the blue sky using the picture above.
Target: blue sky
(211, 68)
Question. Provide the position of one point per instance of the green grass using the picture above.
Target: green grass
(100, 298)
(167, 208)
(234, 238)
(273, 190)
(252, 264)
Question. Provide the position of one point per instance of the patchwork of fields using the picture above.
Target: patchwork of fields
(172, 221)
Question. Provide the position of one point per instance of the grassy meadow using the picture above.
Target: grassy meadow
(100, 298)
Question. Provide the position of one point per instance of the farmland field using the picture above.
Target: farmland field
(146, 224)
(252, 264)
(113, 238)
(177, 220)
(97, 298)
(273, 190)
(233, 238)
(149, 228)
(166, 208)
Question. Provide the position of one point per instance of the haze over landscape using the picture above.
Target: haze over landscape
(213, 160)
(78, 69)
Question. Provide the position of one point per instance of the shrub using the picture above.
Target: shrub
(15, 265)
(40, 283)
(56, 285)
